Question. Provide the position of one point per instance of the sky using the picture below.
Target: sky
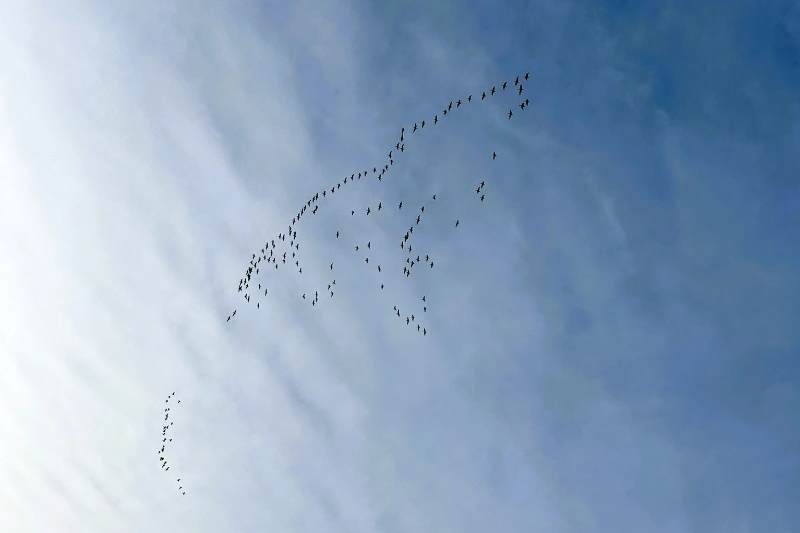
(612, 342)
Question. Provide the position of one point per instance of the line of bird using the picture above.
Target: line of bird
(270, 253)
(166, 440)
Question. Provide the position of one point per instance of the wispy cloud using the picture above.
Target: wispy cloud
(611, 343)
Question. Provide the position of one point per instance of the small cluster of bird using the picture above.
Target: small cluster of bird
(270, 253)
(165, 440)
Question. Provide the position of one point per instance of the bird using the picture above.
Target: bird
(337, 233)
(457, 223)
(483, 95)
(400, 206)
(433, 197)
(435, 119)
(493, 89)
(469, 98)
(526, 75)
(505, 83)
(331, 266)
(482, 197)
(510, 113)
(494, 156)
(520, 88)
(516, 81)
(458, 104)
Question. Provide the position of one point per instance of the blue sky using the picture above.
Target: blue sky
(612, 343)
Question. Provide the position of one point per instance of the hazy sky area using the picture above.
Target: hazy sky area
(612, 335)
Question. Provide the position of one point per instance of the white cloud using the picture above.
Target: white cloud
(147, 159)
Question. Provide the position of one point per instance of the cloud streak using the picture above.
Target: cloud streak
(611, 343)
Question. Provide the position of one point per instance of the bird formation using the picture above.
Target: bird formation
(275, 254)
(165, 440)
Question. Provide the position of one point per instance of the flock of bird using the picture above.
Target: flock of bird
(271, 255)
(166, 440)
(275, 255)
